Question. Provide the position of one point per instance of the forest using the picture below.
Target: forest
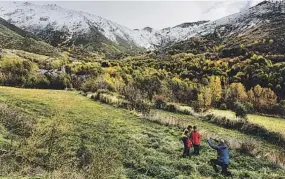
(251, 83)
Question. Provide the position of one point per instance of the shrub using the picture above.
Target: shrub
(240, 110)
(248, 147)
(249, 107)
(159, 102)
(14, 122)
(171, 108)
(279, 109)
(223, 106)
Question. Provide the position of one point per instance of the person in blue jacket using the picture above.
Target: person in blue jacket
(223, 158)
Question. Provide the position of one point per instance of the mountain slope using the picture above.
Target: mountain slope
(260, 28)
(12, 37)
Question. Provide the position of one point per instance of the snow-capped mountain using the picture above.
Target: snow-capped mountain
(69, 24)
(35, 18)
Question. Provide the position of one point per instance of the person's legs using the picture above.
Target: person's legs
(214, 163)
(185, 152)
(198, 149)
(225, 170)
(195, 149)
(188, 152)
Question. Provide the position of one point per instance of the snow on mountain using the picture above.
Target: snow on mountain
(246, 19)
(33, 18)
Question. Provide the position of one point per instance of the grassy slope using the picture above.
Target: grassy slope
(12, 37)
(270, 123)
(149, 150)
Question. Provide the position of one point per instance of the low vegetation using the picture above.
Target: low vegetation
(274, 124)
(81, 138)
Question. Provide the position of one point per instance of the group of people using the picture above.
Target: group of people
(191, 137)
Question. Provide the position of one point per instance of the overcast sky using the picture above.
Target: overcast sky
(156, 14)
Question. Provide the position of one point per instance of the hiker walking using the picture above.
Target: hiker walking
(187, 143)
(223, 158)
(196, 138)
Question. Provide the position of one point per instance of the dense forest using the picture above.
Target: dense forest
(203, 80)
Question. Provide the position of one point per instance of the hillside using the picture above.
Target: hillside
(258, 29)
(65, 133)
(12, 37)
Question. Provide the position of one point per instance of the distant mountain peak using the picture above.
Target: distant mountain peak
(190, 24)
(264, 2)
(149, 29)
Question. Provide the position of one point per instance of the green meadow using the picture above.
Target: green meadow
(75, 137)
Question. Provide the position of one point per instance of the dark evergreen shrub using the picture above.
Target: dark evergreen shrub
(223, 106)
(240, 110)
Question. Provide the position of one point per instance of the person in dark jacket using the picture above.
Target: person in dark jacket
(195, 139)
(187, 144)
(189, 129)
(223, 158)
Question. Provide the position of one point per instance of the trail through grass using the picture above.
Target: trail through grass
(145, 149)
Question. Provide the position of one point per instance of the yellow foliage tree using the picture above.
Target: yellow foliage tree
(262, 98)
(204, 100)
(236, 92)
(215, 86)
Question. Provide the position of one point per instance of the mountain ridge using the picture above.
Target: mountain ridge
(65, 26)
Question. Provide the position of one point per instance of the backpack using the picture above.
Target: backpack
(188, 143)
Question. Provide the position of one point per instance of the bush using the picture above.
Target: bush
(159, 102)
(136, 99)
(279, 109)
(223, 106)
(240, 110)
(249, 107)
(15, 122)
(171, 108)
(248, 147)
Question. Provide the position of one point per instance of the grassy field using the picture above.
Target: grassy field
(270, 123)
(121, 144)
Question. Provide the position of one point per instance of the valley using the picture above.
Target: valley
(85, 97)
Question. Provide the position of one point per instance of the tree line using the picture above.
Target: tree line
(253, 82)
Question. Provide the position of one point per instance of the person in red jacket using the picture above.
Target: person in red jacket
(196, 138)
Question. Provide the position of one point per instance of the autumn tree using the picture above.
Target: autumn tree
(235, 92)
(204, 100)
(216, 89)
(262, 98)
